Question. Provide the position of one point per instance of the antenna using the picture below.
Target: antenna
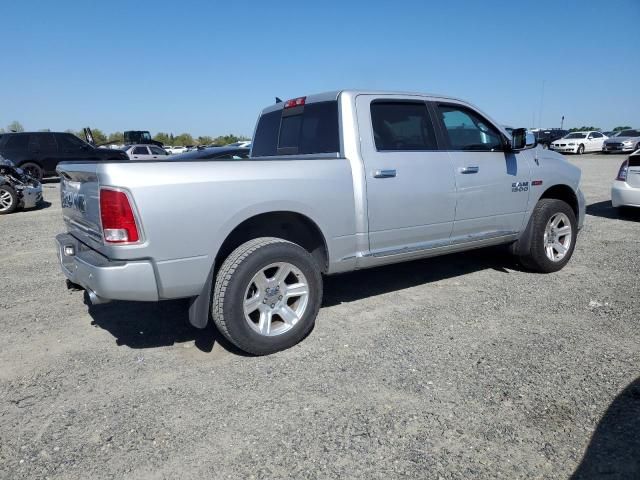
(541, 101)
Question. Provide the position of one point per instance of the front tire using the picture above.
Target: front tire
(8, 200)
(580, 149)
(553, 229)
(267, 295)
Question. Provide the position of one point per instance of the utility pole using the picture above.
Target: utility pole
(562, 122)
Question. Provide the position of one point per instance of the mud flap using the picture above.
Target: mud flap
(200, 306)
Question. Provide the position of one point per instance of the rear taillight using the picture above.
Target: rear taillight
(622, 173)
(118, 221)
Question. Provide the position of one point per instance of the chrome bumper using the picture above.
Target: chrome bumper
(107, 279)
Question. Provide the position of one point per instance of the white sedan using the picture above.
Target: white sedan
(579, 142)
(625, 191)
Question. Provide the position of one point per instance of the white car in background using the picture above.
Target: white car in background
(579, 142)
(145, 152)
(175, 150)
(625, 191)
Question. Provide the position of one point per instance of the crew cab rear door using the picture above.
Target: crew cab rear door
(492, 184)
(410, 184)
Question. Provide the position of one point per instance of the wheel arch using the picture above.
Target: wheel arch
(288, 225)
(566, 194)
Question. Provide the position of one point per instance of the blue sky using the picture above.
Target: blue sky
(209, 67)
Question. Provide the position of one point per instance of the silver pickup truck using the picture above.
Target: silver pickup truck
(336, 181)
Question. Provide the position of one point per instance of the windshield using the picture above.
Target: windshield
(628, 133)
(576, 135)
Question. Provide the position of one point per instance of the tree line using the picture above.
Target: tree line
(182, 139)
(597, 129)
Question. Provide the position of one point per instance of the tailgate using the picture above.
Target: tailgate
(633, 171)
(79, 195)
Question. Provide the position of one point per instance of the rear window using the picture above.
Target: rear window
(299, 131)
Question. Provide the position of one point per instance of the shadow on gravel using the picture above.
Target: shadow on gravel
(606, 210)
(614, 450)
(361, 284)
(151, 324)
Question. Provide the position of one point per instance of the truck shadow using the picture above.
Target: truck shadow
(361, 284)
(606, 210)
(150, 325)
(614, 449)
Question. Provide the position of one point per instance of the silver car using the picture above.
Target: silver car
(623, 141)
(625, 191)
(145, 152)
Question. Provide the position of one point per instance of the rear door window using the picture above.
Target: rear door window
(309, 129)
(402, 126)
(157, 151)
(140, 151)
(17, 142)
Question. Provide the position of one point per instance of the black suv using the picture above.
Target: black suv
(38, 153)
(545, 137)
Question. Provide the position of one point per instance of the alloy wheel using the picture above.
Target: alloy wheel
(557, 237)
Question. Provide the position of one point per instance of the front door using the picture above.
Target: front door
(411, 195)
(492, 185)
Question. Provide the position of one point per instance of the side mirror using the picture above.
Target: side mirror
(522, 140)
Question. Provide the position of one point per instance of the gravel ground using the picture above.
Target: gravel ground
(462, 366)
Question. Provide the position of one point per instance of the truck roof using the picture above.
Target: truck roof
(333, 95)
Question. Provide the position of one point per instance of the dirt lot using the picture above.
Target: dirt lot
(457, 367)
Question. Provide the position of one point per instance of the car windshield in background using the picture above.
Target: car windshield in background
(576, 135)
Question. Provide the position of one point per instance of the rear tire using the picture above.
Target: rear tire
(580, 149)
(33, 169)
(551, 246)
(256, 309)
(8, 200)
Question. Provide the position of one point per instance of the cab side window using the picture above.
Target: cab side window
(466, 130)
(157, 151)
(402, 126)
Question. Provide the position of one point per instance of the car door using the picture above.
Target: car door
(492, 184)
(157, 153)
(409, 183)
(140, 152)
(45, 150)
(597, 141)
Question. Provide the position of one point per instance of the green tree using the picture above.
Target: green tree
(204, 140)
(162, 138)
(583, 129)
(183, 139)
(116, 137)
(617, 129)
(227, 139)
(15, 126)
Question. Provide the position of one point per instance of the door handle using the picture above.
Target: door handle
(384, 174)
(467, 170)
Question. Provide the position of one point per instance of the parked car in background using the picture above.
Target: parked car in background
(610, 134)
(167, 149)
(38, 153)
(624, 141)
(176, 150)
(145, 152)
(240, 144)
(625, 191)
(579, 142)
(545, 137)
(17, 188)
(214, 153)
(336, 182)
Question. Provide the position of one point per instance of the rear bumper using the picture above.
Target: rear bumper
(108, 279)
(624, 195)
